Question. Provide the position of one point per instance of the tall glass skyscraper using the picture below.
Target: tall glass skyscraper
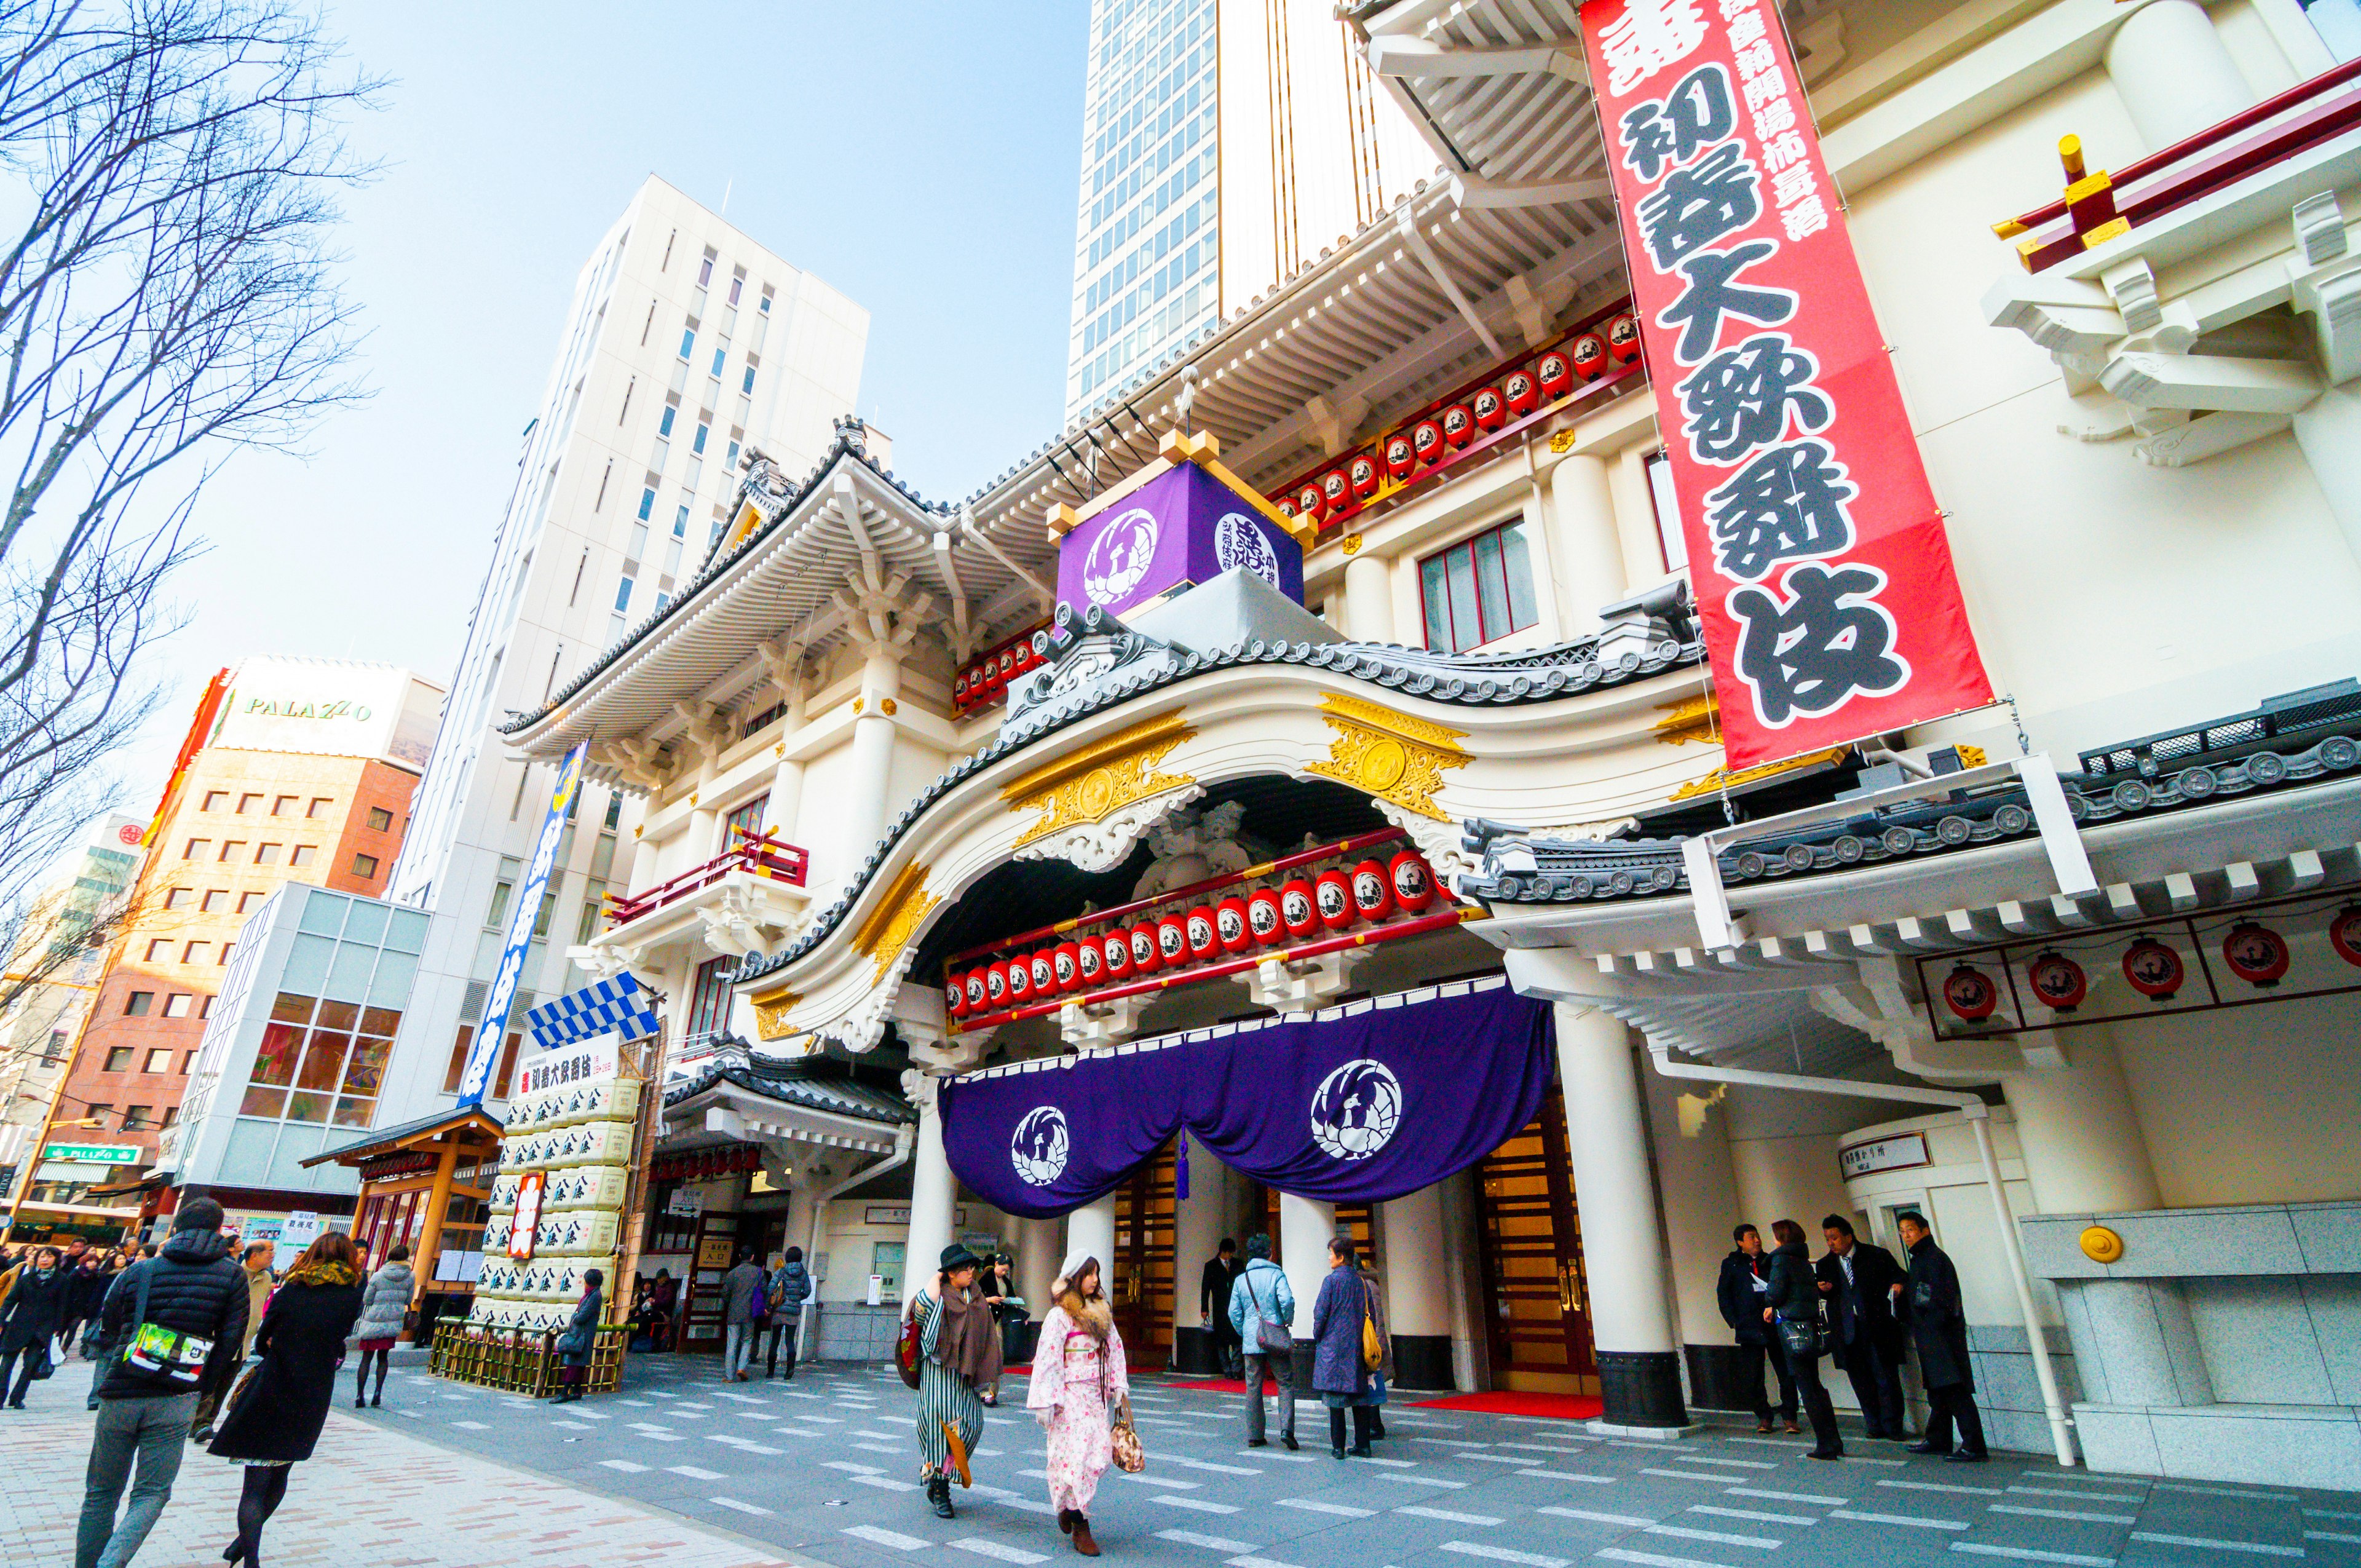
(1226, 142)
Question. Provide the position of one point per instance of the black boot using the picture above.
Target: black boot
(938, 1491)
(1336, 1433)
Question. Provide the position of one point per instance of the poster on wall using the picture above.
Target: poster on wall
(1820, 567)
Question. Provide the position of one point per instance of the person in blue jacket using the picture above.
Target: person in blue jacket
(1262, 1311)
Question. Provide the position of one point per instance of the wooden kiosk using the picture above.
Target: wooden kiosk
(428, 1183)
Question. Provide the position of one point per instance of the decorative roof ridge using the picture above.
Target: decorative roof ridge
(781, 1089)
(1568, 669)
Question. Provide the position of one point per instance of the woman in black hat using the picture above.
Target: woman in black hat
(958, 1352)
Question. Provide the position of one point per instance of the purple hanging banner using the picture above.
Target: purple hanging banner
(1358, 1103)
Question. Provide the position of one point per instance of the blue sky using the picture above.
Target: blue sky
(920, 158)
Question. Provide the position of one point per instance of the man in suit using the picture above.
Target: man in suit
(1741, 1293)
(1937, 1320)
(1214, 1287)
(1862, 1285)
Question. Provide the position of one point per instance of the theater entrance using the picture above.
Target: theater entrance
(1145, 1236)
(1537, 1300)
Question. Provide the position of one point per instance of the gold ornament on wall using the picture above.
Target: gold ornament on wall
(888, 706)
(1352, 544)
(1390, 755)
(1089, 783)
(2100, 1245)
(771, 1011)
(895, 920)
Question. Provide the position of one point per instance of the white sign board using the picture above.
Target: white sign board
(686, 1203)
(591, 1063)
(299, 1231)
(1904, 1151)
(876, 1290)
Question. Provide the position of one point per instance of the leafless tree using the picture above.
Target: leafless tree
(170, 172)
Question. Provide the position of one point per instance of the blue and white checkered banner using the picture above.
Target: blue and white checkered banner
(621, 1006)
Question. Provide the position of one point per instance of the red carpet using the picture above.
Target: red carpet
(1559, 1406)
(1219, 1385)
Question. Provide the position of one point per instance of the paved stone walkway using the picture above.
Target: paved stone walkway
(822, 1470)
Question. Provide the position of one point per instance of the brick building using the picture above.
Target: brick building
(294, 770)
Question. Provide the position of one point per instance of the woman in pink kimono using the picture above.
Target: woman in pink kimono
(1078, 1377)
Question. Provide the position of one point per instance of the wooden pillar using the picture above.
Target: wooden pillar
(438, 1201)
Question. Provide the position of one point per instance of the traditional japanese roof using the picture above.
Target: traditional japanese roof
(790, 1085)
(387, 1140)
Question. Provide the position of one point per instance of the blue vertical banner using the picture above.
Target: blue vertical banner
(491, 1028)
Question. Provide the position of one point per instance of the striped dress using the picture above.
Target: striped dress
(943, 1400)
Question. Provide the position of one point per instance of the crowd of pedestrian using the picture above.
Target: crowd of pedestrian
(761, 1310)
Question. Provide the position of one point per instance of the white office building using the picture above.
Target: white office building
(1226, 145)
(686, 345)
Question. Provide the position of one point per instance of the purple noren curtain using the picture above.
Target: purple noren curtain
(1363, 1102)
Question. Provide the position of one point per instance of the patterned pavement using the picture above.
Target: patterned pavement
(823, 1470)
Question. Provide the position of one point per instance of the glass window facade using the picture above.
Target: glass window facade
(1478, 590)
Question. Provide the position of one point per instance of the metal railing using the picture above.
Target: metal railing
(757, 854)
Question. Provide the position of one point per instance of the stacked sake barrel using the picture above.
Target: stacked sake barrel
(578, 1136)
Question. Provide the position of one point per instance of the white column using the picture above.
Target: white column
(1586, 555)
(1370, 598)
(869, 798)
(932, 1190)
(1635, 519)
(2328, 433)
(1418, 1289)
(1622, 1251)
(1197, 1222)
(1089, 1231)
(2173, 72)
(2084, 1152)
(1306, 1225)
(1040, 1247)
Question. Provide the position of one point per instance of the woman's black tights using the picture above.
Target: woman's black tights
(265, 1486)
(360, 1376)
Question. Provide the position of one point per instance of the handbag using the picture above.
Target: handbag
(1123, 1438)
(1373, 1347)
(905, 1346)
(1270, 1337)
(165, 1355)
(1802, 1337)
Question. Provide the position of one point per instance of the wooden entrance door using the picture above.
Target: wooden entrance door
(1538, 1302)
(1142, 1269)
(703, 1310)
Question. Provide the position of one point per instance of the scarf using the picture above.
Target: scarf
(323, 1274)
(1093, 1317)
(969, 1344)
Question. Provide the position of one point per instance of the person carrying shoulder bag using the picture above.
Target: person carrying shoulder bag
(1792, 1308)
(1262, 1313)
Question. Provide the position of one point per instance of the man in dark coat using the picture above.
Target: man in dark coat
(1862, 1285)
(32, 1312)
(1745, 1281)
(194, 1290)
(1214, 1286)
(1938, 1320)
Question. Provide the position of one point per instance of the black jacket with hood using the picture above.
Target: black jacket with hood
(195, 1286)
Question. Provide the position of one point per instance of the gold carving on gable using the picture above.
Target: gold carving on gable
(895, 920)
(1695, 718)
(771, 1011)
(1390, 755)
(1095, 781)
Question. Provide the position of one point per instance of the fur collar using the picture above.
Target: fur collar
(1094, 1317)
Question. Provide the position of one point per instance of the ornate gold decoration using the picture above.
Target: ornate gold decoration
(1695, 718)
(856, 704)
(896, 918)
(1721, 778)
(1087, 784)
(771, 1011)
(1562, 442)
(637, 831)
(888, 706)
(780, 749)
(2100, 1245)
(1352, 544)
(1388, 754)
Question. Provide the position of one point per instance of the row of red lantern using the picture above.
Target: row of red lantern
(1335, 900)
(2253, 951)
(985, 680)
(1428, 441)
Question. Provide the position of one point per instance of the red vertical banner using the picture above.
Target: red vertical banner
(1821, 570)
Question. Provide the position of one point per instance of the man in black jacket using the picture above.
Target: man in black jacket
(1740, 1292)
(1221, 1273)
(194, 1290)
(1938, 1318)
(1862, 1286)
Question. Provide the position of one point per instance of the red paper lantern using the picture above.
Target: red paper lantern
(1115, 947)
(1301, 915)
(1589, 353)
(977, 997)
(1044, 968)
(2256, 954)
(1556, 373)
(1263, 917)
(1361, 473)
(2344, 935)
(1401, 456)
(1971, 994)
(1337, 490)
(1230, 925)
(1413, 880)
(1523, 395)
(954, 996)
(1492, 408)
(1333, 895)
(1066, 958)
(1623, 339)
(1458, 425)
(959, 690)
(2058, 981)
(996, 985)
(1286, 506)
(1144, 959)
(1172, 940)
(1205, 939)
(1426, 439)
(1373, 890)
(2154, 969)
(1309, 502)
(1020, 980)
(1090, 960)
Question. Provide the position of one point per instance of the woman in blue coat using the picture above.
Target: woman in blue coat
(1338, 1373)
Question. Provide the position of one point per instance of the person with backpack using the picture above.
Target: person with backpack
(1340, 1369)
(172, 1324)
(274, 1417)
(1262, 1313)
(790, 1287)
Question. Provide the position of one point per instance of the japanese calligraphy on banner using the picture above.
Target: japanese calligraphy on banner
(1821, 570)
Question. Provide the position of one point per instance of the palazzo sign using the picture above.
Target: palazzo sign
(1821, 570)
